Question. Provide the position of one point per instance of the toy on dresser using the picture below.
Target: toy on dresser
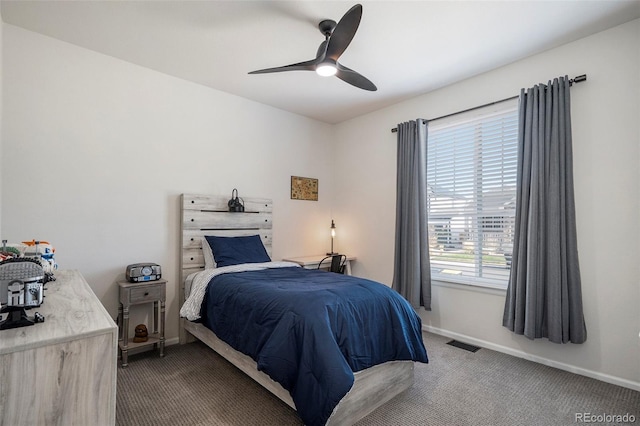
(41, 250)
(9, 252)
(22, 282)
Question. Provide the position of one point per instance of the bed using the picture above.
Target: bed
(208, 216)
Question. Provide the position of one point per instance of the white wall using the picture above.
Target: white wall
(606, 141)
(98, 150)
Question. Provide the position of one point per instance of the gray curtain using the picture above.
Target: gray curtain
(412, 270)
(544, 297)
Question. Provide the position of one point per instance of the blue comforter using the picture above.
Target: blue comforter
(310, 330)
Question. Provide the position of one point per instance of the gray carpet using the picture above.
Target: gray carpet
(192, 385)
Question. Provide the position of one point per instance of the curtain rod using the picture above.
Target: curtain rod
(577, 79)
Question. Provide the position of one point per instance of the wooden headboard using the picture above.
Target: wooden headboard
(202, 215)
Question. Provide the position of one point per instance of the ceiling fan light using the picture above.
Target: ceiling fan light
(326, 69)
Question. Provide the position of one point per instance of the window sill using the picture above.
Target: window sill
(480, 287)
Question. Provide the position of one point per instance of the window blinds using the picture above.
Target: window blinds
(471, 181)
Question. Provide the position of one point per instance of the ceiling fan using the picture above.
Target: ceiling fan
(337, 39)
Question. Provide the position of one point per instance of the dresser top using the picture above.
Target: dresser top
(71, 311)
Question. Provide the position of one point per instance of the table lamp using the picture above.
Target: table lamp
(333, 235)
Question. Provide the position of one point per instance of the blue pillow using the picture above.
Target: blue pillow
(229, 251)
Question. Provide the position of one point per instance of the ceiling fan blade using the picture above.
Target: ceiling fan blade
(300, 66)
(344, 32)
(322, 52)
(355, 79)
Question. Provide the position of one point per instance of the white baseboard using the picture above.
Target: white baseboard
(535, 358)
(172, 341)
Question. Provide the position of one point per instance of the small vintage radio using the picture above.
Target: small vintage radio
(140, 272)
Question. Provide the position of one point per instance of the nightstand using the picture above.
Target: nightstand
(136, 294)
(312, 262)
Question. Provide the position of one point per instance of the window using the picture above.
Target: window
(471, 181)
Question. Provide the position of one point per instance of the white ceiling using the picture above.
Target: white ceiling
(406, 48)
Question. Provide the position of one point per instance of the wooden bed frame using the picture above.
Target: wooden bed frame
(208, 215)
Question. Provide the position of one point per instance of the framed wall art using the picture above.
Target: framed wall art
(303, 188)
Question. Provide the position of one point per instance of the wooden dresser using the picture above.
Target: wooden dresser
(61, 371)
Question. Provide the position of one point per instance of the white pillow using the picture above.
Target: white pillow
(209, 261)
